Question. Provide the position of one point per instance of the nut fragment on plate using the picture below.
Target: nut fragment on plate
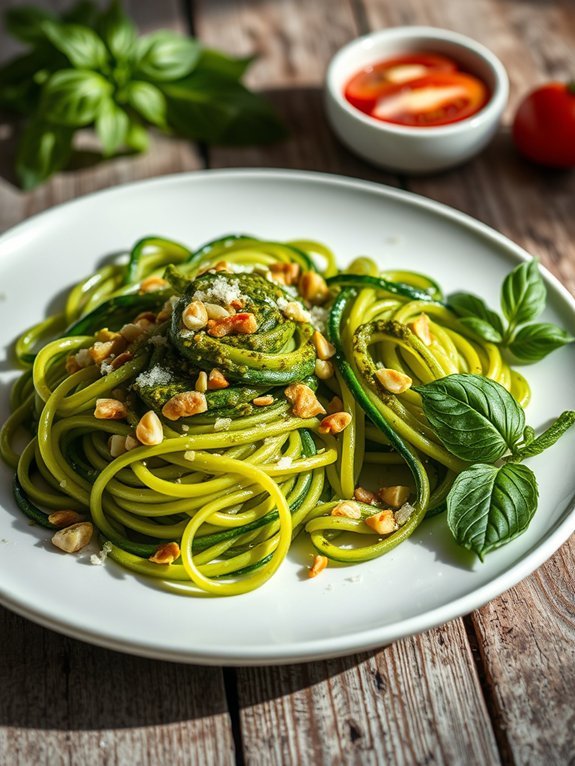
(305, 403)
(363, 495)
(152, 284)
(323, 348)
(285, 273)
(217, 380)
(165, 553)
(347, 508)
(324, 369)
(313, 288)
(64, 519)
(73, 538)
(319, 564)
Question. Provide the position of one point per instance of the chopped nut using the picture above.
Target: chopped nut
(420, 327)
(335, 405)
(83, 357)
(64, 519)
(117, 445)
(335, 423)
(149, 430)
(104, 335)
(239, 324)
(72, 364)
(216, 312)
(121, 359)
(324, 369)
(152, 284)
(100, 351)
(403, 515)
(394, 496)
(184, 405)
(165, 312)
(195, 316)
(166, 553)
(72, 539)
(348, 509)
(313, 288)
(285, 273)
(392, 380)
(295, 311)
(110, 409)
(323, 348)
(304, 402)
(319, 564)
(202, 382)
(263, 401)
(236, 305)
(131, 443)
(383, 522)
(216, 380)
(222, 266)
(363, 495)
(131, 332)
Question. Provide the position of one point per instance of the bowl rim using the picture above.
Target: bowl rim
(491, 110)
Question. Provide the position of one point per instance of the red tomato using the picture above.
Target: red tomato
(367, 85)
(437, 99)
(544, 125)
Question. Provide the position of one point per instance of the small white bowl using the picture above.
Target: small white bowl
(412, 149)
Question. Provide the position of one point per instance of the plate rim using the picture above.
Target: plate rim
(364, 640)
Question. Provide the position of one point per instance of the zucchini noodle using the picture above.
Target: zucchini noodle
(178, 403)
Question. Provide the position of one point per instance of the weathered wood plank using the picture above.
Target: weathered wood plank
(412, 703)
(417, 701)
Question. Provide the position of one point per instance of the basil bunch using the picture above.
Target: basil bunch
(88, 68)
(480, 422)
(523, 296)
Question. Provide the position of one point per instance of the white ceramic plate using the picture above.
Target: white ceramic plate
(425, 581)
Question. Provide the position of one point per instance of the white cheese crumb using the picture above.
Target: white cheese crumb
(185, 428)
(190, 455)
(222, 424)
(106, 368)
(319, 316)
(158, 340)
(98, 559)
(63, 483)
(154, 377)
(221, 291)
(285, 462)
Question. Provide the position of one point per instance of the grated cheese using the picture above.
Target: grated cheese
(285, 462)
(221, 291)
(222, 424)
(157, 376)
(98, 559)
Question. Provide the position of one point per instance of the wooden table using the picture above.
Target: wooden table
(495, 686)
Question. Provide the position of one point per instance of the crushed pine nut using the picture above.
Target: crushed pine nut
(319, 564)
(285, 273)
(305, 403)
(335, 405)
(348, 509)
(166, 311)
(263, 401)
(131, 332)
(393, 381)
(195, 316)
(383, 522)
(295, 311)
(117, 445)
(323, 348)
(363, 495)
(83, 358)
(244, 323)
(72, 364)
(131, 443)
(202, 382)
(214, 311)
(64, 519)
(313, 288)
(324, 369)
(152, 284)
(166, 553)
(101, 351)
(149, 430)
(110, 409)
(121, 359)
(335, 423)
(73, 538)
(184, 405)
(394, 496)
(216, 380)
(222, 266)
(421, 328)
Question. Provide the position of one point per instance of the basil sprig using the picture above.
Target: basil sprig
(88, 68)
(479, 421)
(523, 296)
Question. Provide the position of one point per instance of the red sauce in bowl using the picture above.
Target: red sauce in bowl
(416, 89)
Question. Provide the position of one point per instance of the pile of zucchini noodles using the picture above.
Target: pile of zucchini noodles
(235, 498)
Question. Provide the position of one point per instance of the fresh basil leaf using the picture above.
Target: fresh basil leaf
(117, 31)
(469, 306)
(81, 46)
(227, 66)
(25, 23)
(112, 125)
(148, 101)
(488, 506)
(137, 137)
(72, 97)
(164, 56)
(534, 341)
(474, 417)
(43, 149)
(523, 293)
(535, 446)
(207, 107)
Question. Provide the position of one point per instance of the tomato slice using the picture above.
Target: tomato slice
(366, 86)
(437, 99)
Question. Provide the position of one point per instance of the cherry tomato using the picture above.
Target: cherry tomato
(544, 125)
(364, 88)
(437, 99)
